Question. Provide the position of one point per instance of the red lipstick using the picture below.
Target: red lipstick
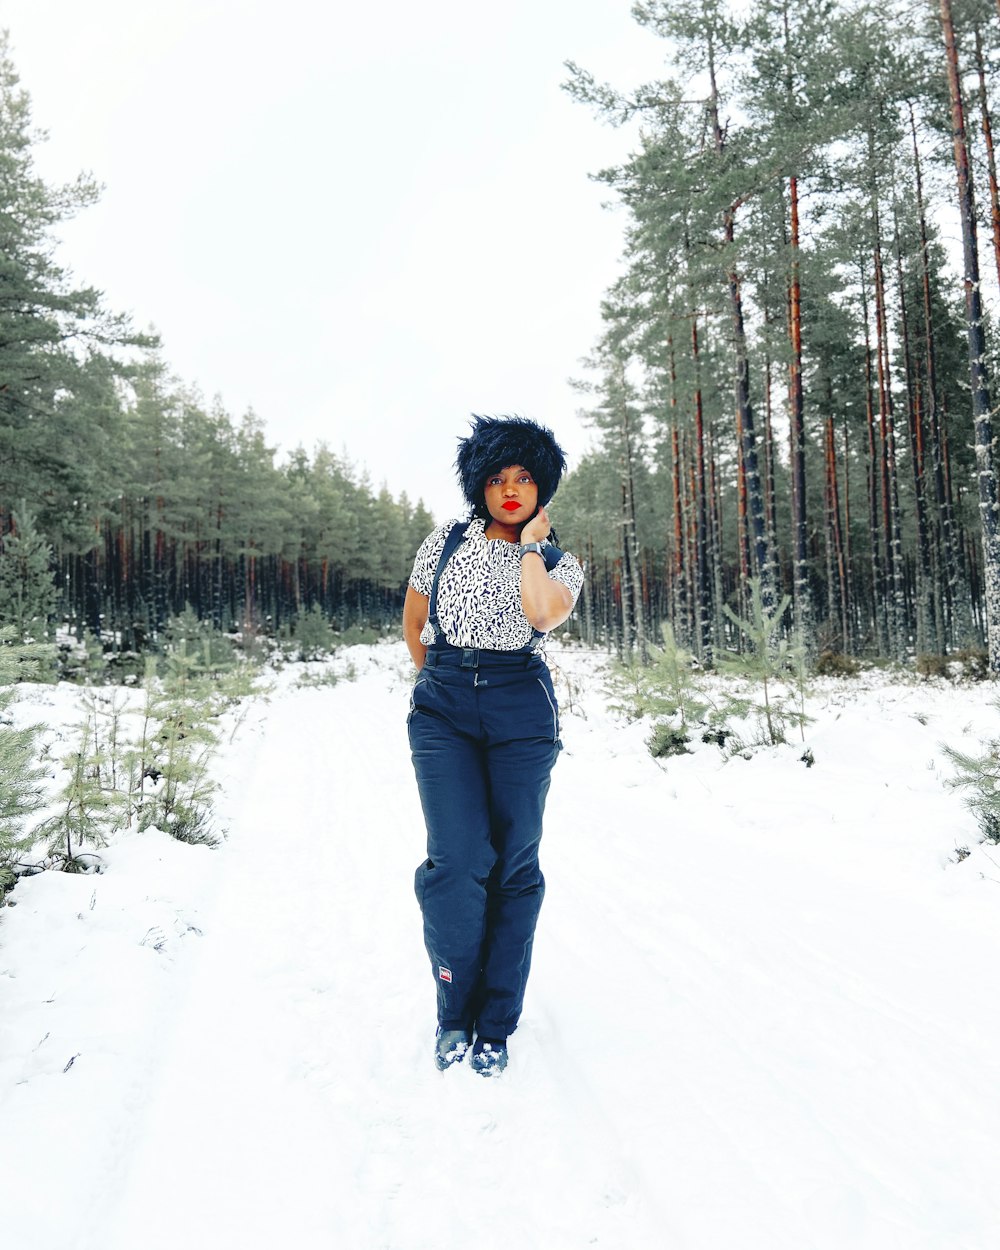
(511, 505)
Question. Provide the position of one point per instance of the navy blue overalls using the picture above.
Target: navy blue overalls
(484, 735)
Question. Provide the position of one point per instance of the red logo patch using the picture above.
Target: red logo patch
(445, 974)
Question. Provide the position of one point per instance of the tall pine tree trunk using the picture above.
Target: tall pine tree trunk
(954, 613)
(926, 621)
(878, 617)
(763, 559)
(703, 597)
(895, 605)
(796, 433)
(991, 163)
(979, 381)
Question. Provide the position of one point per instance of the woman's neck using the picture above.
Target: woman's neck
(506, 533)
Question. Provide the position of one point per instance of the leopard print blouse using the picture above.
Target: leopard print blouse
(479, 594)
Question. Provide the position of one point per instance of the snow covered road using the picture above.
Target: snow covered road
(763, 1012)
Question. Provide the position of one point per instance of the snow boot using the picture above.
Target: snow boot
(450, 1046)
(489, 1056)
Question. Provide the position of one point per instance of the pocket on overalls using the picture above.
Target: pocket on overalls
(551, 703)
(421, 681)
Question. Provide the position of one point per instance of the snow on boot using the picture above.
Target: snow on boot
(450, 1047)
(489, 1056)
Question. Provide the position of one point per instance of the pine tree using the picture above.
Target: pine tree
(27, 589)
(42, 314)
(21, 775)
(768, 662)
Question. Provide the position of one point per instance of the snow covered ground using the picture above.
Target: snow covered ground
(764, 1011)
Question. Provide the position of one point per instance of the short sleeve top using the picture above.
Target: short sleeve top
(479, 594)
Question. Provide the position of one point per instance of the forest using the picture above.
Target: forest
(124, 498)
(790, 394)
(792, 386)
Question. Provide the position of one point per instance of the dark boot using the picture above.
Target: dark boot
(450, 1047)
(489, 1056)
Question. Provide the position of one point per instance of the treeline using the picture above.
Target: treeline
(783, 389)
(123, 497)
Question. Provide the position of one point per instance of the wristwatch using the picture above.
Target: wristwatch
(532, 547)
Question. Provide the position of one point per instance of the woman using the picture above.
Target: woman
(484, 729)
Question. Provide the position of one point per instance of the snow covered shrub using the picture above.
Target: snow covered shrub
(930, 665)
(667, 739)
(969, 664)
(311, 681)
(836, 664)
(975, 662)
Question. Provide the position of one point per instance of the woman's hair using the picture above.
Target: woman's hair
(495, 443)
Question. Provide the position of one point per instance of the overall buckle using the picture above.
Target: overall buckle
(470, 657)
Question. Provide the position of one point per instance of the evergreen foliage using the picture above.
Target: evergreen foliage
(770, 662)
(88, 807)
(27, 589)
(21, 775)
(978, 777)
(313, 634)
(668, 690)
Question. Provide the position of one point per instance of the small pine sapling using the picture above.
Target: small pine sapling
(313, 634)
(21, 791)
(89, 809)
(185, 707)
(667, 689)
(768, 662)
(94, 670)
(27, 585)
(978, 777)
(187, 634)
(139, 757)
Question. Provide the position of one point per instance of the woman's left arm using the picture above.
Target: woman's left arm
(546, 603)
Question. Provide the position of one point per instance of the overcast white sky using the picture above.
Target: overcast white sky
(365, 221)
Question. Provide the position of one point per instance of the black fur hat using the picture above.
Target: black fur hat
(496, 442)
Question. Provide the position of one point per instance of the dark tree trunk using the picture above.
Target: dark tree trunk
(878, 621)
(887, 450)
(703, 596)
(796, 436)
(977, 351)
(926, 622)
(991, 163)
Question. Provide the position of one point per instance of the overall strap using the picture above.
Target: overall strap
(551, 555)
(455, 536)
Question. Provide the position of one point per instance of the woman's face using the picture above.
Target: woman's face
(511, 495)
